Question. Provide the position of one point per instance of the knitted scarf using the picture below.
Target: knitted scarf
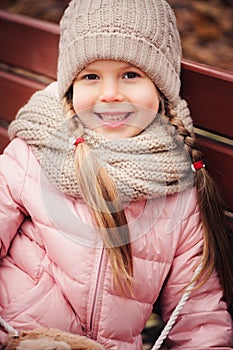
(151, 164)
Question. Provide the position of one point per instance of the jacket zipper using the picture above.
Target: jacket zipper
(95, 296)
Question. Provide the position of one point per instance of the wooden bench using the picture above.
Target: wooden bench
(28, 61)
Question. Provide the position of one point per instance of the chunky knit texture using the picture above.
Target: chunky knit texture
(141, 32)
(152, 164)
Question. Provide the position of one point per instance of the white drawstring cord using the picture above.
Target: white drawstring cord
(8, 328)
(175, 313)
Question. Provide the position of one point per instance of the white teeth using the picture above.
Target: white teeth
(112, 117)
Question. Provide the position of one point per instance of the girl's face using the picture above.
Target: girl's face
(115, 99)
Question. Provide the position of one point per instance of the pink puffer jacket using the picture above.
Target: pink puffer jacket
(54, 271)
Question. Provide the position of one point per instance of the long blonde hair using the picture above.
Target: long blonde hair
(99, 192)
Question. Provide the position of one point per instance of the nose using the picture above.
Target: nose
(110, 92)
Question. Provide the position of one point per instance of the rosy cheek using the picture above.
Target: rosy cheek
(81, 100)
(78, 102)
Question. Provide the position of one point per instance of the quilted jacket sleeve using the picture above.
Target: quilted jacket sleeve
(13, 167)
(204, 322)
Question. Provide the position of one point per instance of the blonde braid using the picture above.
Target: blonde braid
(217, 233)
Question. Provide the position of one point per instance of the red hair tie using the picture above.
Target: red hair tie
(78, 141)
(197, 165)
(73, 142)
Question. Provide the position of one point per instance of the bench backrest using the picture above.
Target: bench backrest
(28, 62)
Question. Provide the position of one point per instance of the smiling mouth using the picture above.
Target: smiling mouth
(113, 117)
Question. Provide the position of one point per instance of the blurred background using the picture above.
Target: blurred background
(206, 26)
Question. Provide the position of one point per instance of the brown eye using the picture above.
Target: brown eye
(91, 77)
(131, 75)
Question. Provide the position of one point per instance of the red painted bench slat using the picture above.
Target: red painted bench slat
(29, 43)
(210, 93)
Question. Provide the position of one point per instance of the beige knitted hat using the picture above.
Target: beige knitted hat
(141, 32)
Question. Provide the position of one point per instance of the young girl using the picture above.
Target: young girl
(106, 205)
